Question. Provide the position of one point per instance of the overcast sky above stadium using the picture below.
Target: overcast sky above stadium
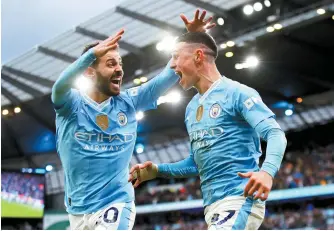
(27, 23)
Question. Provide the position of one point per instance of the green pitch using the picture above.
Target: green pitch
(13, 209)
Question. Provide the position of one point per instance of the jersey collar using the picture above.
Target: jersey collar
(212, 87)
(95, 105)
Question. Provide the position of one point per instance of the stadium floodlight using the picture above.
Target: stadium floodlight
(143, 79)
(83, 83)
(159, 46)
(230, 43)
(288, 112)
(136, 81)
(174, 97)
(270, 29)
(257, 6)
(229, 54)
(139, 115)
(321, 11)
(49, 167)
(220, 21)
(239, 66)
(139, 72)
(161, 100)
(252, 61)
(17, 109)
(5, 112)
(278, 26)
(140, 148)
(267, 3)
(167, 44)
(248, 10)
(223, 46)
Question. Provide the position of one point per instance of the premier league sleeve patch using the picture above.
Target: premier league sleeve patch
(122, 119)
(215, 111)
(133, 91)
(249, 103)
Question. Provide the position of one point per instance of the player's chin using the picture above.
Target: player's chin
(115, 89)
(184, 85)
(115, 92)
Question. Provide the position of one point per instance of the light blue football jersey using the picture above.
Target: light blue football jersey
(223, 139)
(95, 143)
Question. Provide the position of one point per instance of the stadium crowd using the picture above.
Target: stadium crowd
(23, 184)
(299, 169)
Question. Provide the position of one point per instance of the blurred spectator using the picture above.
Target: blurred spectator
(309, 218)
(299, 169)
(23, 188)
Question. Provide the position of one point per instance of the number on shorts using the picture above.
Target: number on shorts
(114, 218)
(229, 216)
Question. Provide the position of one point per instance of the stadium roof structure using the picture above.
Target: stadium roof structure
(295, 61)
(32, 74)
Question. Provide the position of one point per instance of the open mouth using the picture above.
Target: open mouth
(116, 81)
(116, 78)
(179, 73)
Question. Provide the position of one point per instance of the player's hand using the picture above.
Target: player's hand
(198, 24)
(260, 182)
(108, 44)
(142, 172)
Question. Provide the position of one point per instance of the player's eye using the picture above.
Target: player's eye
(111, 64)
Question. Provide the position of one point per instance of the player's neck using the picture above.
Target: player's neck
(97, 96)
(207, 78)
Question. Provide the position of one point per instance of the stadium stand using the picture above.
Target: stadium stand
(294, 78)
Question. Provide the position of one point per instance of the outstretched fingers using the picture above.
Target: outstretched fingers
(208, 20)
(210, 26)
(184, 19)
(196, 15)
(202, 15)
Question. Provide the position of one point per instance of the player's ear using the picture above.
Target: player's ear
(199, 55)
(89, 72)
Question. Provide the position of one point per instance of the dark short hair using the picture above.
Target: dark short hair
(200, 37)
(89, 46)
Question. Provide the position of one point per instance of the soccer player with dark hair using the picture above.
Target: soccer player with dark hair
(96, 133)
(225, 121)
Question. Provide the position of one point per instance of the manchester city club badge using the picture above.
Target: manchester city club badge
(122, 119)
(215, 110)
(199, 113)
(102, 121)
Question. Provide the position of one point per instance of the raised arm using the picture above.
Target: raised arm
(61, 90)
(145, 96)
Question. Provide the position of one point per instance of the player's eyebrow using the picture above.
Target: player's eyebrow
(114, 59)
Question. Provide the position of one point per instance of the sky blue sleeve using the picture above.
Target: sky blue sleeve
(145, 96)
(270, 131)
(183, 168)
(62, 93)
(251, 106)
